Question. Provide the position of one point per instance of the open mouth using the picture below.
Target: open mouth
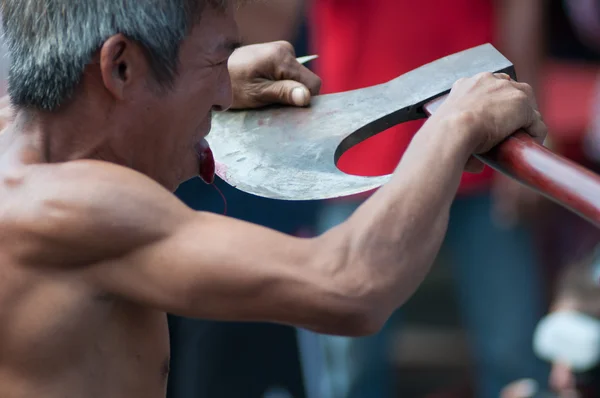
(206, 161)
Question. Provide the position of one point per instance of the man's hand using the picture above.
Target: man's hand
(489, 108)
(264, 74)
(493, 107)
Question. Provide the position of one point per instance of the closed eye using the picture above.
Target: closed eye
(223, 61)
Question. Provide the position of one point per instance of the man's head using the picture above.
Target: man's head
(145, 72)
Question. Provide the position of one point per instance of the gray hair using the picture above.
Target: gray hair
(52, 41)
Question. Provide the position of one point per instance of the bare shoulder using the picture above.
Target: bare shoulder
(83, 212)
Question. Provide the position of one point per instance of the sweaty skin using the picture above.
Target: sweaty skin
(95, 248)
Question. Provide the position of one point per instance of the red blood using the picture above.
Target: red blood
(222, 197)
(206, 168)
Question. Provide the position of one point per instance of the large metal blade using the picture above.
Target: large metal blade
(291, 153)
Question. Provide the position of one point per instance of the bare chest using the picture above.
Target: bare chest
(55, 336)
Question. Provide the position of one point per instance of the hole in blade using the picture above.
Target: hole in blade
(380, 154)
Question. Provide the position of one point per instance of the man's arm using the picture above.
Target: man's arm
(129, 238)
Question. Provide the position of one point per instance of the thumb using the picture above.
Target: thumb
(287, 92)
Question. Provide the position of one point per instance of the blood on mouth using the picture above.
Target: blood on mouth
(206, 164)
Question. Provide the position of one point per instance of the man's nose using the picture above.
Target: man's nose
(224, 97)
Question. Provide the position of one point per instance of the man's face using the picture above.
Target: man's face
(165, 129)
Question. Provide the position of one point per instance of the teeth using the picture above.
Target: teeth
(206, 169)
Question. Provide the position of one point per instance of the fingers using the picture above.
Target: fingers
(503, 76)
(536, 126)
(288, 68)
(293, 83)
(538, 129)
(269, 73)
(495, 107)
(293, 70)
(527, 89)
(287, 92)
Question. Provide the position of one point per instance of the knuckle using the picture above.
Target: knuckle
(499, 84)
(284, 62)
(248, 94)
(283, 68)
(527, 89)
(279, 53)
(283, 48)
(281, 93)
(521, 96)
(502, 84)
(459, 82)
(483, 76)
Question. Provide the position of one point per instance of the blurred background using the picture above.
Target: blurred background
(511, 258)
(469, 330)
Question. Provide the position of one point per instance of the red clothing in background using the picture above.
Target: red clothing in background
(361, 43)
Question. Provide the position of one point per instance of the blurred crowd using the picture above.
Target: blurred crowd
(524, 268)
(526, 271)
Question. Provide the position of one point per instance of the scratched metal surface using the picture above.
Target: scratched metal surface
(290, 153)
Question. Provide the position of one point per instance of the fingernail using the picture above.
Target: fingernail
(300, 96)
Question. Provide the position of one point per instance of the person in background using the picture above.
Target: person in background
(575, 39)
(365, 42)
(569, 337)
(585, 15)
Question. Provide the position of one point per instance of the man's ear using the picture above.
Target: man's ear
(122, 65)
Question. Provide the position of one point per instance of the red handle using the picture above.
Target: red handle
(561, 180)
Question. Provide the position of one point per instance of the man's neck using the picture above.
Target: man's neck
(58, 136)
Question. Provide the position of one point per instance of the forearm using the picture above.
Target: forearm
(214, 267)
(397, 233)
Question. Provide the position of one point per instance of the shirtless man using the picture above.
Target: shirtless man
(94, 246)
